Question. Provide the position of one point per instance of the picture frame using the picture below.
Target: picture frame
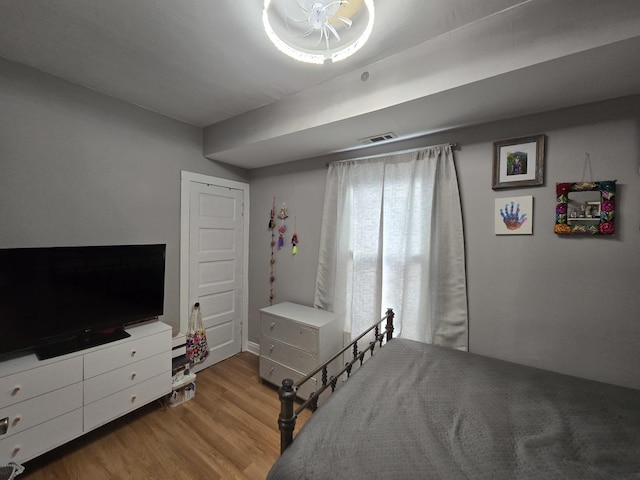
(513, 215)
(519, 162)
(585, 208)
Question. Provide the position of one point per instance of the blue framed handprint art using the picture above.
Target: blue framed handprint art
(514, 215)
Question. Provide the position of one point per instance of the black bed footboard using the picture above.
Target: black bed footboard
(287, 392)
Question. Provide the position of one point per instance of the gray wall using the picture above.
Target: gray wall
(81, 168)
(77, 167)
(564, 304)
(301, 186)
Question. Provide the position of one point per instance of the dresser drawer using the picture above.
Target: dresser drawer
(116, 405)
(290, 332)
(104, 385)
(37, 381)
(34, 411)
(110, 358)
(32, 442)
(274, 373)
(287, 355)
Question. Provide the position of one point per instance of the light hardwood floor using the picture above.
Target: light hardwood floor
(227, 431)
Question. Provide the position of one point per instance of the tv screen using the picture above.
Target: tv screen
(56, 294)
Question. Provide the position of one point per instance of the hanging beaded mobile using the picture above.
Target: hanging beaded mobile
(282, 214)
(294, 238)
(272, 226)
(272, 217)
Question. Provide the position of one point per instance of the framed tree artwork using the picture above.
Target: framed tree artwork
(519, 162)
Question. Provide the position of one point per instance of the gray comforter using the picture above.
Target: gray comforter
(427, 412)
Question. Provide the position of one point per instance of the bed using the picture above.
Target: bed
(418, 411)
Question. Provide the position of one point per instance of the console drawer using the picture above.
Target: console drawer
(116, 405)
(27, 414)
(104, 385)
(29, 443)
(110, 358)
(37, 381)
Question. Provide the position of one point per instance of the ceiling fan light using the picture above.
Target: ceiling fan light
(321, 22)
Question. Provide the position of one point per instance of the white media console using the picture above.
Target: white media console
(44, 404)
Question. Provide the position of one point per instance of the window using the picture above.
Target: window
(385, 223)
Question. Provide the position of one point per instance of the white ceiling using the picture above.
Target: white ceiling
(432, 64)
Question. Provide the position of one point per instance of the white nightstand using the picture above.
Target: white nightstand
(294, 340)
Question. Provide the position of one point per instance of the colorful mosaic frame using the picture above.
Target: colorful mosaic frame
(606, 226)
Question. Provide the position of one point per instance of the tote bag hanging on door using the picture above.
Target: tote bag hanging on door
(197, 348)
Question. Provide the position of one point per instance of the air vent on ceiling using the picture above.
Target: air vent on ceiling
(379, 138)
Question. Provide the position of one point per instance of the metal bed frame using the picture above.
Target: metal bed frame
(287, 392)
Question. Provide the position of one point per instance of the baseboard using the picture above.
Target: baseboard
(253, 347)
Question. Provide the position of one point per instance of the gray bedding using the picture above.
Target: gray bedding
(427, 412)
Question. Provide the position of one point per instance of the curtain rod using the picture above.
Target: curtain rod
(454, 146)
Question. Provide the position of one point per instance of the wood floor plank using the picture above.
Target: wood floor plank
(227, 431)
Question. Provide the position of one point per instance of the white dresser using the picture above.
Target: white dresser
(44, 404)
(294, 340)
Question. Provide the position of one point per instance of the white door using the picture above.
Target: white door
(216, 229)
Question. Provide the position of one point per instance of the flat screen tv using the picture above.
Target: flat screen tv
(62, 299)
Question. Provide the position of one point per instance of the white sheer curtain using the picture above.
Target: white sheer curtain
(391, 236)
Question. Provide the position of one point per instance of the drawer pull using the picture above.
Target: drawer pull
(272, 347)
(16, 389)
(4, 425)
(17, 420)
(133, 375)
(133, 353)
(273, 324)
(16, 450)
(133, 398)
(270, 369)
